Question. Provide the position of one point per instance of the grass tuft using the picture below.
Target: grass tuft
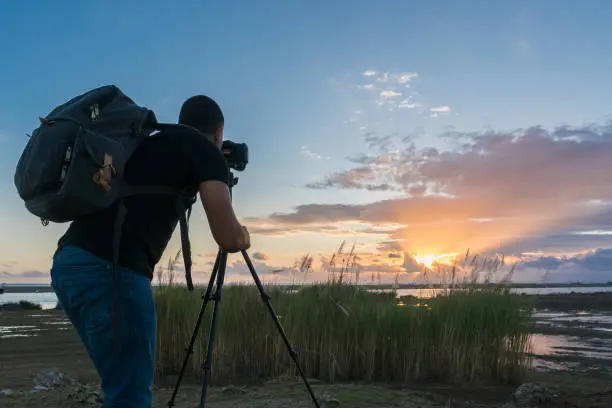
(344, 332)
(21, 305)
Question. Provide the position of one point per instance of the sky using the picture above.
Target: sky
(412, 131)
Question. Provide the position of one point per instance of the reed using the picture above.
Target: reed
(343, 332)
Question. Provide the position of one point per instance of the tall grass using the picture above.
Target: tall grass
(344, 332)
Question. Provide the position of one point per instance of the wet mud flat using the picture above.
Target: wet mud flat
(573, 333)
(567, 356)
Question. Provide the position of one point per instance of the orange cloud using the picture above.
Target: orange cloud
(494, 190)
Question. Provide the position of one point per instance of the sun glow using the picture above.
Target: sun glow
(430, 260)
(427, 260)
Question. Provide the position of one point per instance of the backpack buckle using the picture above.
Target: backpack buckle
(104, 175)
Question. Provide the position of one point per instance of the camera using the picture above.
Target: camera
(236, 154)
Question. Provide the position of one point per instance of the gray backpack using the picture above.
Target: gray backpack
(74, 163)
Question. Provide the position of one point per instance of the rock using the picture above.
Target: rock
(86, 394)
(473, 404)
(328, 401)
(332, 402)
(50, 379)
(530, 395)
(233, 390)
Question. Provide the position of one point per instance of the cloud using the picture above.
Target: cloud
(260, 256)
(545, 262)
(23, 275)
(410, 264)
(389, 246)
(406, 104)
(305, 151)
(13, 271)
(573, 237)
(390, 94)
(389, 87)
(405, 78)
(494, 190)
(33, 274)
(8, 264)
(440, 110)
(399, 78)
(592, 266)
(237, 271)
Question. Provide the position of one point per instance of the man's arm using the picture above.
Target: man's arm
(225, 228)
(207, 171)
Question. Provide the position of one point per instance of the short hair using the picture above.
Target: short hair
(202, 113)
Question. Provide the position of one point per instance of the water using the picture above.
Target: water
(583, 342)
(426, 293)
(583, 317)
(28, 330)
(48, 300)
(572, 346)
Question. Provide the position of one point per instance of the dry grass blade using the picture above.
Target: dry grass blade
(345, 332)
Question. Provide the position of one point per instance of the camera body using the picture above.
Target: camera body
(236, 154)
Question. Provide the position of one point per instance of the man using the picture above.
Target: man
(82, 271)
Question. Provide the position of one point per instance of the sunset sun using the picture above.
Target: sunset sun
(427, 260)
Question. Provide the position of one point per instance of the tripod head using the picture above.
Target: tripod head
(233, 180)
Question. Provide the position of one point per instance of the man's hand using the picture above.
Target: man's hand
(247, 239)
(225, 228)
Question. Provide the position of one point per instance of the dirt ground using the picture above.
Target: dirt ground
(56, 346)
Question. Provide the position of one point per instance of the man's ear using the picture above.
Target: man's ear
(219, 136)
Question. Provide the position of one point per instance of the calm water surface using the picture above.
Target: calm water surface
(49, 300)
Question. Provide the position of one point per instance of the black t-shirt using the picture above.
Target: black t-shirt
(173, 158)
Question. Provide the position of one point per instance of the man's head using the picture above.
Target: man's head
(204, 114)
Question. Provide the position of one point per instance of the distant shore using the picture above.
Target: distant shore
(15, 288)
(28, 289)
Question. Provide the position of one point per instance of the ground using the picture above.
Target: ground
(21, 358)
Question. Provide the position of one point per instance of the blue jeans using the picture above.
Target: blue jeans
(83, 283)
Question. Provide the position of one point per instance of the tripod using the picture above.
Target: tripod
(218, 274)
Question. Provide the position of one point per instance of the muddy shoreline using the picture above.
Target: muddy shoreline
(55, 345)
(579, 375)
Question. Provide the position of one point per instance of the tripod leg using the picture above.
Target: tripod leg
(266, 299)
(196, 329)
(213, 324)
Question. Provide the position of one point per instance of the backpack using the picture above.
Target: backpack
(74, 163)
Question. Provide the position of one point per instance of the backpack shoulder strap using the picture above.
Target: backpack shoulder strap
(185, 198)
